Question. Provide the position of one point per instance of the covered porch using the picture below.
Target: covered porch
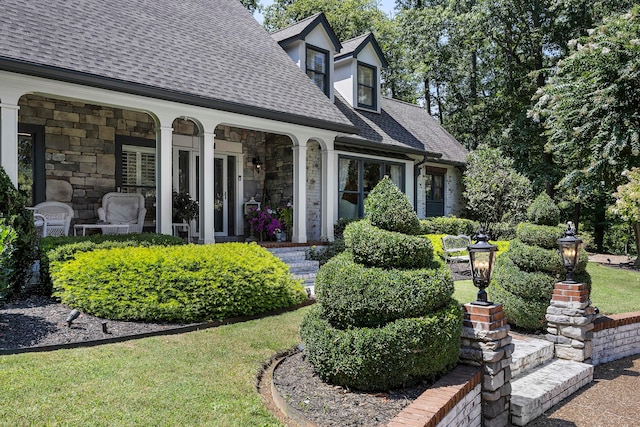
(73, 143)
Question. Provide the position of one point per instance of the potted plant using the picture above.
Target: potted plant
(185, 209)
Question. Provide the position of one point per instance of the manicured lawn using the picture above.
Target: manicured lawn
(194, 379)
(613, 290)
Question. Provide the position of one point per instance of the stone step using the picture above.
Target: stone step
(540, 389)
(291, 255)
(299, 266)
(303, 266)
(286, 249)
(529, 353)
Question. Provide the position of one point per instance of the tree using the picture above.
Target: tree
(251, 5)
(627, 205)
(494, 190)
(589, 109)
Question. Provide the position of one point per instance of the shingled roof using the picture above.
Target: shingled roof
(353, 46)
(210, 53)
(404, 127)
(301, 29)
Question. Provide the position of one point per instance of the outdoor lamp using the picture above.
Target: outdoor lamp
(257, 163)
(570, 251)
(482, 255)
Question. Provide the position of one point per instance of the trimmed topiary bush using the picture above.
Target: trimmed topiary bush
(388, 208)
(543, 211)
(375, 247)
(15, 215)
(188, 283)
(63, 248)
(396, 354)
(385, 316)
(525, 275)
(7, 238)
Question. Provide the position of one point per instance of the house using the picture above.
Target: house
(156, 95)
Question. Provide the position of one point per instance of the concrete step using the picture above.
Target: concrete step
(299, 266)
(540, 389)
(529, 353)
(291, 255)
(303, 266)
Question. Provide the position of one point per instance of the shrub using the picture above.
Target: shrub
(534, 258)
(7, 261)
(449, 225)
(380, 248)
(501, 231)
(544, 236)
(543, 211)
(20, 219)
(352, 294)
(413, 349)
(388, 208)
(63, 248)
(186, 283)
(324, 253)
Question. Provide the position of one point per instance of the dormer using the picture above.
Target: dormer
(312, 44)
(357, 72)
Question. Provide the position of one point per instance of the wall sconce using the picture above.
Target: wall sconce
(257, 163)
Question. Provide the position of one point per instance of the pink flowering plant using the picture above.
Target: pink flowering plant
(264, 221)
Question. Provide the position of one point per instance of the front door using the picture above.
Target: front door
(221, 203)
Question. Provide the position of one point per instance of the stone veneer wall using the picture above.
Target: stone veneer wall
(615, 336)
(279, 170)
(314, 191)
(80, 147)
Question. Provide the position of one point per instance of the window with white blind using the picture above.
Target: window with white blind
(138, 168)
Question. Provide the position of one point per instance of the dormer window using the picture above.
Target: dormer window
(367, 76)
(317, 67)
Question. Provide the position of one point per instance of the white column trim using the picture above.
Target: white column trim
(300, 190)
(329, 194)
(207, 196)
(9, 140)
(164, 154)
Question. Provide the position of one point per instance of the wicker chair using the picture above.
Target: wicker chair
(123, 208)
(57, 218)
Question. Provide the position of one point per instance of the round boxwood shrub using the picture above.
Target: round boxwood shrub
(187, 283)
(352, 294)
(376, 247)
(399, 354)
(388, 208)
(543, 211)
(535, 258)
(449, 225)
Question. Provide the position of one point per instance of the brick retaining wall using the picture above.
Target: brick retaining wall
(616, 336)
(454, 400)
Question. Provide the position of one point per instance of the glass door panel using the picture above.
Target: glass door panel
(221, 212)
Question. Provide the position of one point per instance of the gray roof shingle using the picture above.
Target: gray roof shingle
(204, 52)
(401, 125)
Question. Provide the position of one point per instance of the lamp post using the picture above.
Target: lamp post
(482, 255)
(569, 246)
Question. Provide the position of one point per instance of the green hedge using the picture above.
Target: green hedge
(519, 312)
(449, 225)
(533, 258)
(401, 353)
(534, 286)
(544, 236)
(64, 247)
(176, 283)
(376, 247)
(359, 296)
(389, 208)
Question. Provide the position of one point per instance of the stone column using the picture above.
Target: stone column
(300, 192)
(570, 322)
(486, 343)
(9, 140)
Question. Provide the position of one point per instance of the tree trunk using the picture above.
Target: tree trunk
(636, 235)
(427, 94)
(576, 215)
(440, 112)
(599, 225)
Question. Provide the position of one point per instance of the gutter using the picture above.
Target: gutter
(109, 83)
(366, 143)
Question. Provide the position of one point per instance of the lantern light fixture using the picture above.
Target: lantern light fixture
(257, 163)
(482, 255)
(569, 246)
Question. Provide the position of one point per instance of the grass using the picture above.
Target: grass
(194, 379)
(613, 290)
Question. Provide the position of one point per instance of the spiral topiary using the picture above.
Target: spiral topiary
(385, 317)
(525, 275)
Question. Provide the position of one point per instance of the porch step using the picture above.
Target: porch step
(538, 390)
(299, 266)
(529, 353)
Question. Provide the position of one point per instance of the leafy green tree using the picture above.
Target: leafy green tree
(494, 190)
(251, 5)
(590, 111)
(627, 205)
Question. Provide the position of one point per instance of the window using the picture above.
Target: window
(317, 60)
(367, 86)
(357, 177)
(136, 170)
(31, 170)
